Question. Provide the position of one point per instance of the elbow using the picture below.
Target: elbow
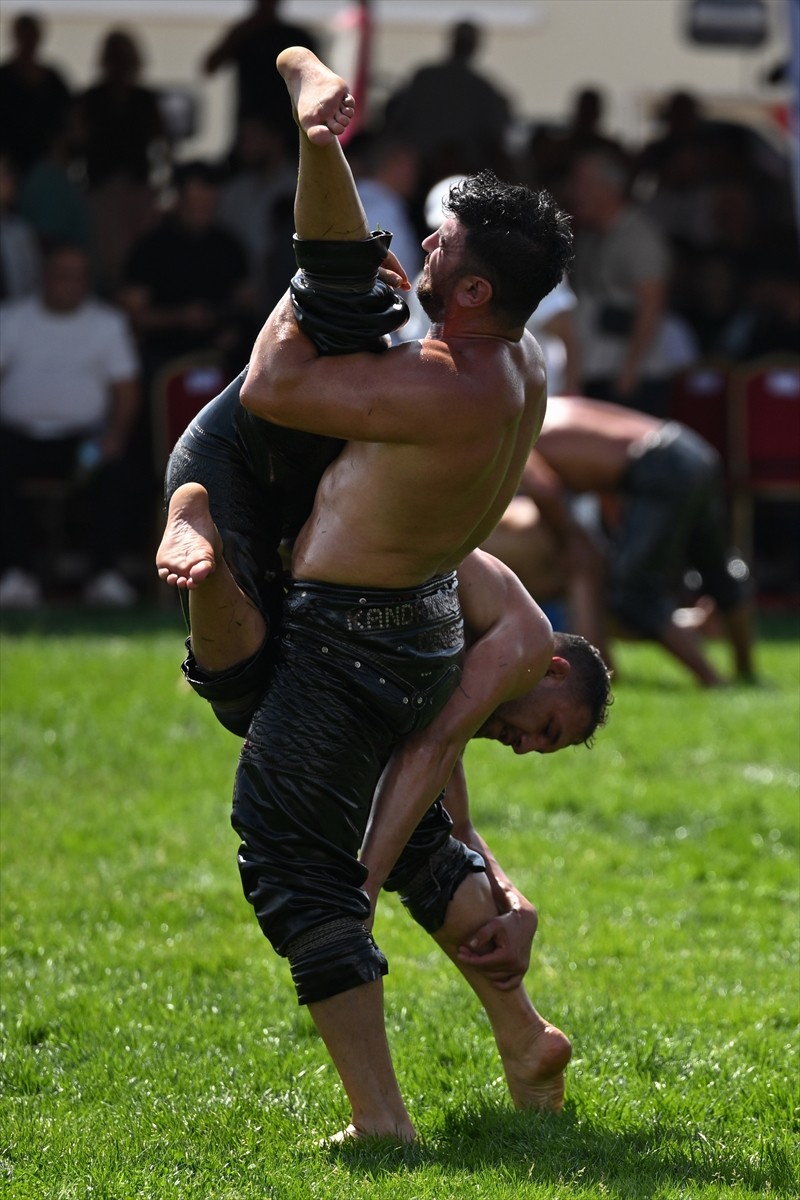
(258, 396)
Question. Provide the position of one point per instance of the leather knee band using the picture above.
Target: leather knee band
(235, 694)
(334, 958)
(427, 894)
(338, 266)
(338, 300)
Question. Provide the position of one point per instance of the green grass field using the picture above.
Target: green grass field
(152, 1046)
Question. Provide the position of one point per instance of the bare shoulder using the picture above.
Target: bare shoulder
(491, 593)
(499, 612)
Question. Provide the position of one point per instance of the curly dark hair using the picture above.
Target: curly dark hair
(517, 238)
(589, 679)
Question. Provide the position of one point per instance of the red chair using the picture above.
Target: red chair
(700, 399)
(766, 439)
(182, 387)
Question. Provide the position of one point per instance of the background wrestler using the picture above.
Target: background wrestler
(664, 486)
(431, 498)
(487, 932)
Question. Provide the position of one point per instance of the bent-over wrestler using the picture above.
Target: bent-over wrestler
(666, 486)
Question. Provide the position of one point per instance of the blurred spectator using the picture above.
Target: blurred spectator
(682, 130)
(553, 148)
(711, 292)
(584, 131)
(667, 515)
(69, 396)
(122, 139)
(387, 174)
(260, 176)
(19, 249)
(771, 325)
(34, 97)
(457, 119)
(621, 277)
(187, 291)
(251, 47)
(185, 285)
(51, 198)
(554, 326)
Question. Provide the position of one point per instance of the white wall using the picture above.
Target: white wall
(539, 51)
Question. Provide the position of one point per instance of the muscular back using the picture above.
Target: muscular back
(587, 442)
(394, 511)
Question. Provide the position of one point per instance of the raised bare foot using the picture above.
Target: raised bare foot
(191, 542)
(535, 1072)
(321, 100)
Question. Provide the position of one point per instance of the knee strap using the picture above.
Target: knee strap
(334, 958)
(346, 322)
(234, 694)
(337, 298)
(428, 892)
(339, 266)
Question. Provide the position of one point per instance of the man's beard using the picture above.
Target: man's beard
(432, 303)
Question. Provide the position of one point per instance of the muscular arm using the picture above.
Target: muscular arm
(397, 396)
(511, 648)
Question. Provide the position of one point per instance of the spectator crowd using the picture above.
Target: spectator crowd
(119, 259)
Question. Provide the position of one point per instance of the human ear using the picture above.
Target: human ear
(474, 291)
(558, 670)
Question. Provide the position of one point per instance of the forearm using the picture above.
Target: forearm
(415, 776)
(124, 407)
(649, 311)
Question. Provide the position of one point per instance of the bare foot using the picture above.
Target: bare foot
(353, 1134)
(321, 100)
(535, 1073)
(191, 542)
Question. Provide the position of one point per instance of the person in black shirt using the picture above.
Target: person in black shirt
(251, 47)
(34, 97)
(186, 283)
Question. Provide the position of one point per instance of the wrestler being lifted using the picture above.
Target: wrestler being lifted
(435, 437)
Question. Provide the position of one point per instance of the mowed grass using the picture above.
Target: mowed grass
(152, 1045)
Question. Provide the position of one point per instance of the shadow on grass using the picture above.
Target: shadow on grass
(572, 1151)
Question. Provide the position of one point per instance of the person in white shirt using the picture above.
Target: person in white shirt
(69, 395)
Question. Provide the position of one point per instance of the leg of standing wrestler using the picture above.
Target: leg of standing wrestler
(534, 1053)
(328, 207)
(226, 626)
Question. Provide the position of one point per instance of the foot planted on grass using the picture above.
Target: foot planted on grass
(535, 1069)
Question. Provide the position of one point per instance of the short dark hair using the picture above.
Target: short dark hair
(519, 239)
(589, 678)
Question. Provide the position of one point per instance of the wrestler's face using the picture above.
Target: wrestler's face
(443, 267)
(544, 720)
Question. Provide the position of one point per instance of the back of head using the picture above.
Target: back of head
(27, 34)
(465, 40)
(517, 238)
(589, 679)
(120, 57)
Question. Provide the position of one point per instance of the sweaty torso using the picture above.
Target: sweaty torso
(396, 514)
(588, 442)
